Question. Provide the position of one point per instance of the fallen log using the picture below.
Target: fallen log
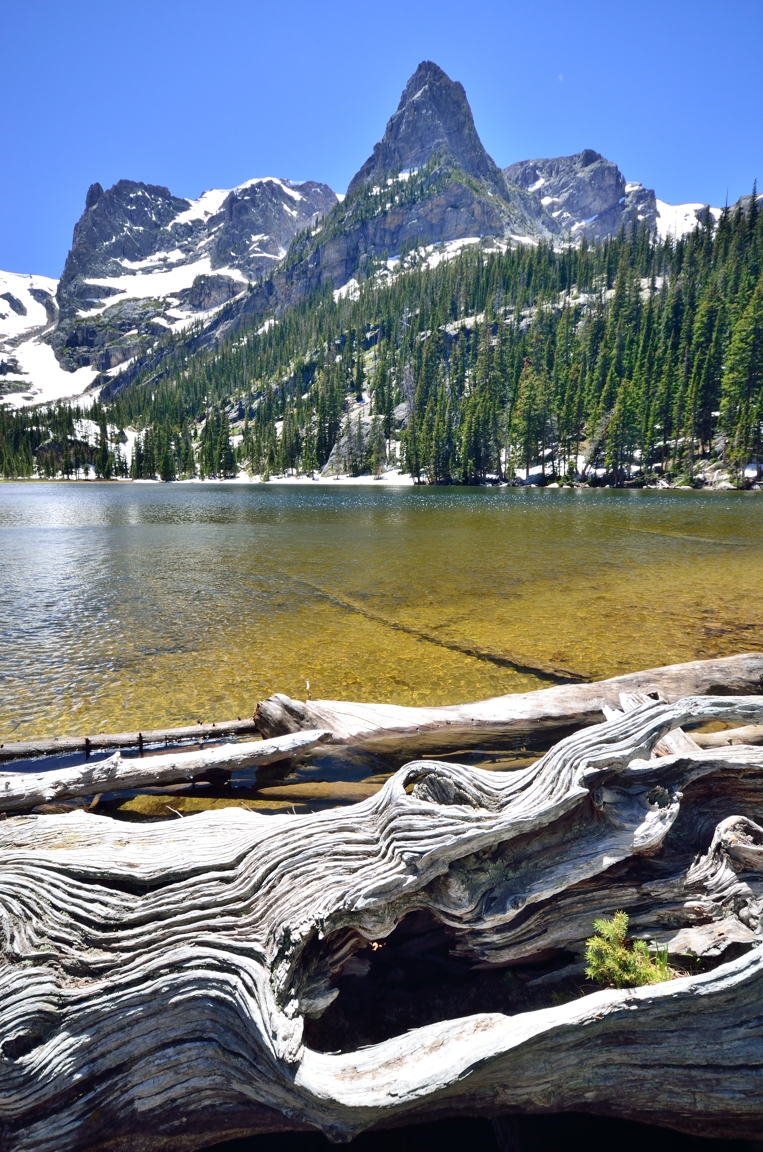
(391, 726)
(20, 790)
(58, 745)
(750, 734)
(168, 986)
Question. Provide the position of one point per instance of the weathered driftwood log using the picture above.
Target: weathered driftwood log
(58, 745)
(20, 790)
(569, 705)
(160, 981)
(750, 734)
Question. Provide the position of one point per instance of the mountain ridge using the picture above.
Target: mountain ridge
(144, 262)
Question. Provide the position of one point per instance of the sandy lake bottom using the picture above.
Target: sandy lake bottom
(131, 606)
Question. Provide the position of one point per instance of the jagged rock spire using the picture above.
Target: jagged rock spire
(433, 116)
(94, 193)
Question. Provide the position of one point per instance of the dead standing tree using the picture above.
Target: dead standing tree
(159, 979)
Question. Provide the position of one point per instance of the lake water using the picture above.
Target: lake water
(132, 606)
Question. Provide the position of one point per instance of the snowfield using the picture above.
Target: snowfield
(161, 282)
(677, 219)
(19, 310)
(23, 318)
(210, 202)
(48, 381)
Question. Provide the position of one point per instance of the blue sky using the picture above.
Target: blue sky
(196, 95)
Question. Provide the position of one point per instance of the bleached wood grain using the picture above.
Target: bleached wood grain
(564, 706)
(156, 977)
(20, 790)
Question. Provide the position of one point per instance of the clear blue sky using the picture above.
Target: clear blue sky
(196, 95)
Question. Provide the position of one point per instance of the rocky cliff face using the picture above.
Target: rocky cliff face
(433, 117)
(428, 181)
(583, 194)
(143, 260)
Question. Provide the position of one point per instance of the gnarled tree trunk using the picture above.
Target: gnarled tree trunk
(169, 985)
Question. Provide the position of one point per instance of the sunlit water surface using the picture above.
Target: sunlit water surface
(134, 606)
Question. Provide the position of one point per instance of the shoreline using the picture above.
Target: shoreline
(392, 479)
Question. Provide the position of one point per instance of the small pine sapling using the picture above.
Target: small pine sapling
(612, 959)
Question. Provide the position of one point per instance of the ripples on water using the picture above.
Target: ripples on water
(128, 606)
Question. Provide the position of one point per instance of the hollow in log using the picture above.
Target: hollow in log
(166, 986)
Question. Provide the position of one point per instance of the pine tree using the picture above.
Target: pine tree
(103, 461)
(742, 389)
(635, 345)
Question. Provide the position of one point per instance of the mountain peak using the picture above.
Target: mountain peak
(94, 193)
(584, 193)
(433, 116)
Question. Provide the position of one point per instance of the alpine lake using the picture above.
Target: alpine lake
(142, 606)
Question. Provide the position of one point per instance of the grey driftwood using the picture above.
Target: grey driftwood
(157, 978)
(570, 705)
(104, 741)
(20, 790)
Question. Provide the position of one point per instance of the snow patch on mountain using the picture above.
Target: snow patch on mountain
(208, 204)
(351, 290)
(41, 378)
(22, 304)
(211, 201)
(677, 220)
(160, 283)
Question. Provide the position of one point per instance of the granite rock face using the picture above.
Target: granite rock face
(433, 117)
(583, 194)
(94, 193)
(14, 303)
(143, 260)
(428, 181)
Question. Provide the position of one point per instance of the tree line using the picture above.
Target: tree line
(621, 361)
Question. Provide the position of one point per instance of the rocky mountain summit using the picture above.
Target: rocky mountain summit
(429, 181)
(144, 262)
(584, 194)
(433, 117)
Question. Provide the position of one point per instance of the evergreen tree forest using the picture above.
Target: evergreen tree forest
(61, 440)
(629, 361)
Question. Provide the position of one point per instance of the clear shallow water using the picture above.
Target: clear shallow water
(129, 606)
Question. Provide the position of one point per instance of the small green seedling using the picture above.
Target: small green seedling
(614, 960)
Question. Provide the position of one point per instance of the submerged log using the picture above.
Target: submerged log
(389, 726)
(166, 986)
(20, 790)
(63, 745)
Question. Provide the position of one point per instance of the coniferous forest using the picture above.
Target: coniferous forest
(631, 361)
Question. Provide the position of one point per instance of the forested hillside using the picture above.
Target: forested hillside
(618, 362)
